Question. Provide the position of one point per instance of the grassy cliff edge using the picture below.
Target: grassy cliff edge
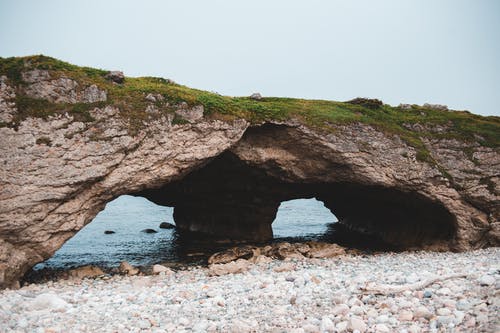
(129, 97)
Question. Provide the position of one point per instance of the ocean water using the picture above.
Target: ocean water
(127, 216)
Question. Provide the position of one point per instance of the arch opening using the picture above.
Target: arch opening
(228, 201)
(305, 218)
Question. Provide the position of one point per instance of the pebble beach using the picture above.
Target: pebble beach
(388, 292)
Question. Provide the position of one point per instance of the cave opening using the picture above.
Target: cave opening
(226, 202)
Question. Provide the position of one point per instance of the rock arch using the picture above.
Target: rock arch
(226, 172)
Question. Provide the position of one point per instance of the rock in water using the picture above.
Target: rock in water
(166, 225)
(149, 231)
(108, 232)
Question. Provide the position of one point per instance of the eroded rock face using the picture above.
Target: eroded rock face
(226, 178)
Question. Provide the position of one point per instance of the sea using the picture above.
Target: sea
(127, 216)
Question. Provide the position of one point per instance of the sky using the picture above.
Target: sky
(400, 51)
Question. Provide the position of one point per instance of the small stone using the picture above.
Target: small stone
(382, 319)
(422, 312)
(342, 326)
(382, 328)
(184, 321)
(486, 280)
(405, 315)
(463, 305)
(108, 232)
(356, 323)
(341, 309)
(144, 324)
(310, 328)
(427, 294)
(443, 321)
(149, 231)
(443, 312)
(327, 325)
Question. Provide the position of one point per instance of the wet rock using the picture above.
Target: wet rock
(108, 232)
(166, 225)
(149, 231)
(324, 250)
(126, 268)
(85, 272)
(243, 252)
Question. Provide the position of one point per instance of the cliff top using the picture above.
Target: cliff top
(410, 122)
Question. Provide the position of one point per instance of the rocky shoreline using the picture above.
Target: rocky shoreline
(350, 292)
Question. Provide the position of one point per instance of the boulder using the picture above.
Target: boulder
(233, 267)
(157, 269)
(256, 96)
(85, 272)
(115, 76)
(126, 268)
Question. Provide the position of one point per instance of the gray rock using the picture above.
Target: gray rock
(256, 96)
(486, 280)
(438, 107)
(357, 323)
(93, 94)
(190, 114)
(48, 301)
(116, 76)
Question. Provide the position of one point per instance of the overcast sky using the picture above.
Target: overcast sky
(410, 51)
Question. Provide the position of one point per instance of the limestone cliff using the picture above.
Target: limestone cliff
(73, 138)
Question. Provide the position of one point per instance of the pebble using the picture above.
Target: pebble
(315, 295)
(356, 323)
(486, 280)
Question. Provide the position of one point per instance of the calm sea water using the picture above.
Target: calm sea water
(127, 216)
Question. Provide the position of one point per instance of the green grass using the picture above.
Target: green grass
(322, 115)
